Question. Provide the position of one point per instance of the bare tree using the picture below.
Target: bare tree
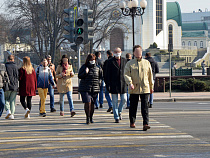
(45, 20)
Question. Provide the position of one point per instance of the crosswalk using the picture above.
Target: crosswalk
(55, 132)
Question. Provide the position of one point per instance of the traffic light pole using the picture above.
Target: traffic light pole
(79, 65)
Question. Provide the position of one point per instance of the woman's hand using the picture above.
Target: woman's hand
(87, 70)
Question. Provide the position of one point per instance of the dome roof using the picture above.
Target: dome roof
(174, 12)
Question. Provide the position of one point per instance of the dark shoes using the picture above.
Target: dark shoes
(96, 107)
(109, 110)
(127, 107)
(149, 105)
(53, 110)
(89, 120)
(117, 121)
(120, 116)
(73, 113)
(101, 105)
(146, 127)
(42, 114)
(132, 125)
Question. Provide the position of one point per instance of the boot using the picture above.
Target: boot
(87, 120)
(91, 120)
(91, 112)
(87, 112)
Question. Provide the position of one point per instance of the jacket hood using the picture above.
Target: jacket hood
(10, 63)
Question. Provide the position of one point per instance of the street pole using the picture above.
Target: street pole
(170, 74)
(133, 15)
(79, 65)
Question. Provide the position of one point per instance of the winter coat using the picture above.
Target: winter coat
(64, 85)
(154, 65)
(12, 72)
(115, 82)
(3, 76)
(27, 83)
(44, 77)
(105, 68)
(90, 82)
(139, 73)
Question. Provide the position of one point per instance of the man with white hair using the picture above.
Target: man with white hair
(115, 82)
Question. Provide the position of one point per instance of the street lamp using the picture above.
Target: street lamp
(133, 10)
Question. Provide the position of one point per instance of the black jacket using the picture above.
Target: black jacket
(154, 65)
(90, 82)
(105, 68)
(12, 72)
(115, 82)
(3, 76)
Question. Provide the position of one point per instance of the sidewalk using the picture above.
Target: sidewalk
(158, 97)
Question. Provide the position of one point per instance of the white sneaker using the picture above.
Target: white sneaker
(8, 114)
(27, 113)
(28, 116)
(11, 117)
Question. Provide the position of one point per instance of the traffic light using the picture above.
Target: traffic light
(87, 21)
(78, 39)
(70, 27)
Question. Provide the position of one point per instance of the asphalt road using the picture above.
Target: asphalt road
(177, 130)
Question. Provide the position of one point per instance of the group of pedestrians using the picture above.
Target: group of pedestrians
(125, 77)
(43, 79)
(122, 76)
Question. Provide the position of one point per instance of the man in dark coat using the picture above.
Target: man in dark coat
(10, 95)
(155, 69)
(107, 96)
(115, 82)
(100, 63)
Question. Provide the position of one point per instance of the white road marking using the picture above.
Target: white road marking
(98, 138)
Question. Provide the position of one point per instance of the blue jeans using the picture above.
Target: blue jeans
(151, 96)
(203, 70)
(2, 101)
(69, 96)
(101, 95)
(10, 99)
(51, 93)
(117, 110)
(128, 99)
(107, 96)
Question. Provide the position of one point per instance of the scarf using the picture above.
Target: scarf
(65, 67)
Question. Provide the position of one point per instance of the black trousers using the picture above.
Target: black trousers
(134, 99)
(23, 102)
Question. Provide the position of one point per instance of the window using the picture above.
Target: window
(195, 43)
(159, 16)
(183, 43)
(201, 44)
(170, 34)
(189, 43)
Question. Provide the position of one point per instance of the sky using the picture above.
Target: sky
(187, 6)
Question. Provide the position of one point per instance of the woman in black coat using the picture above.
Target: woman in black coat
(89, 87)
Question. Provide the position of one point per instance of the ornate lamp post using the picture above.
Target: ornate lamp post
(133, 10)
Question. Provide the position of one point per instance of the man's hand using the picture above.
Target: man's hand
(87, 70)
(131, 86)
(151, 91)
(72, 73)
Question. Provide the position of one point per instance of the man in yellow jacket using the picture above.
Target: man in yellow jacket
(139, 78)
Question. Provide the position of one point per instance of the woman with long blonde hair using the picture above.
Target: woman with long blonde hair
(27, 85)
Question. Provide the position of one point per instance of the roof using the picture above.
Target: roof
(193, 34)
(194, 26)
(174, 12)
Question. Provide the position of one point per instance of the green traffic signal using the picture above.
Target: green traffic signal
(79, 31)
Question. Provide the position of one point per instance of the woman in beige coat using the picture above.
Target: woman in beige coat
(64, 73)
